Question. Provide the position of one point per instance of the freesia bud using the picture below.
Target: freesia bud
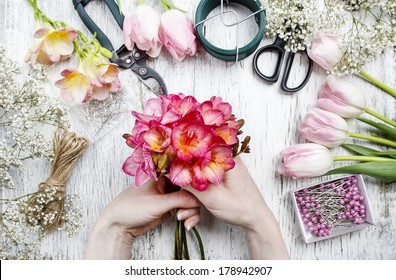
(340, 96)
(176, 33)
(325, 128)
(141, 28)
(305, 160)
(325, 49)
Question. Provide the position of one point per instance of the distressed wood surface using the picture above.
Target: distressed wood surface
(271, 119)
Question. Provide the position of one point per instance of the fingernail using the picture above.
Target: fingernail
(188, 227)
(180, 216)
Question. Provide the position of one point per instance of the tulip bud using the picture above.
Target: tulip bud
(305, 160)
(141, 28)
(325, 50)
(340, 96)
(176, 33)
(325, 128)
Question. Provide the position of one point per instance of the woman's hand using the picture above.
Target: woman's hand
(132, 213)
(238, 201)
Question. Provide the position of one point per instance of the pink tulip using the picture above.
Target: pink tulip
(325, 49)
(141, 28)
(52, 46)
(340, 96)
(325, 128)
(305, 160)
(176, 33)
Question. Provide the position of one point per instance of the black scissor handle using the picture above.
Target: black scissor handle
(104, 41)
(270, 48)
(289, 64)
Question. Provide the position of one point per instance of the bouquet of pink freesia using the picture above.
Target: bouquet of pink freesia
(190, 143)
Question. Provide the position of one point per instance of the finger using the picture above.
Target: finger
(192, 221)
(179, 199)
(183, 214)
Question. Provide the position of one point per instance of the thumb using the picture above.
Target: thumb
(179, 199)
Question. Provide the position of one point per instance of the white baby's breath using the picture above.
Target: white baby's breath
(24, 113)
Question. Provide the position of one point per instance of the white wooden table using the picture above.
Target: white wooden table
(271, 119)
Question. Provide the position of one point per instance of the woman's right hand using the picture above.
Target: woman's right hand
(238, 201)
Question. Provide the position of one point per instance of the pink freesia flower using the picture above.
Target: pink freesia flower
(158, 138)
(92, 81)
(52, 46)
(177, 34)
(325, 49)
(208, 169)
(228, 134)
(191, 142)
(340, 96)
(103, 78)
(305, 160)
(74, 86)
(215, 111)
(213, 166)
(191, 139)
(325, 128)
(140, 165)
(141, 28)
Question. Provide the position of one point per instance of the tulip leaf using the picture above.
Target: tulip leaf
(384, 171)
(361, 150)
(390, 131)
(391, 154)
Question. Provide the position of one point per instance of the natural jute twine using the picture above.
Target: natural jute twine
(67, 149)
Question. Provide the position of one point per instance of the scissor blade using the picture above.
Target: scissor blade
(153, 85)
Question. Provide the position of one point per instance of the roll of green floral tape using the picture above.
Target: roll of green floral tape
(203, 10)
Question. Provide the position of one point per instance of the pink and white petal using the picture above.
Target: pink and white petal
(213, 116)
(170, 117)
(100, 93)
(189, 103)
(129, 166)
(180, 174)
(141, 177)
(144, 118)
(58, 42)
(115, 86)
(153, 107)
(66, 95)
(41, 32)
(214, 173)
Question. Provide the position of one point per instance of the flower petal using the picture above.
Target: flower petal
(180, 174)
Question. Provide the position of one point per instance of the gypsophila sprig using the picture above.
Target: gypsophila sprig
(22, 232)
(372, 30)
(295, 21)
(24, 111)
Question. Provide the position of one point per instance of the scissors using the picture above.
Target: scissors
(279, 47)
(124, 58)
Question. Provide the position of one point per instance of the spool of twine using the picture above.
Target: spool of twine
(67, 149)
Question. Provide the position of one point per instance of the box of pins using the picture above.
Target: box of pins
(332, 208)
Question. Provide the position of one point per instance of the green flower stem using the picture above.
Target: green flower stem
(184, 241)
(361, 158)
(200, 244)
(178, 245)
(378, 83)
(381, 117)
(374, 139)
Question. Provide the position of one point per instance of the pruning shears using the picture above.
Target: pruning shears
(124, 58)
